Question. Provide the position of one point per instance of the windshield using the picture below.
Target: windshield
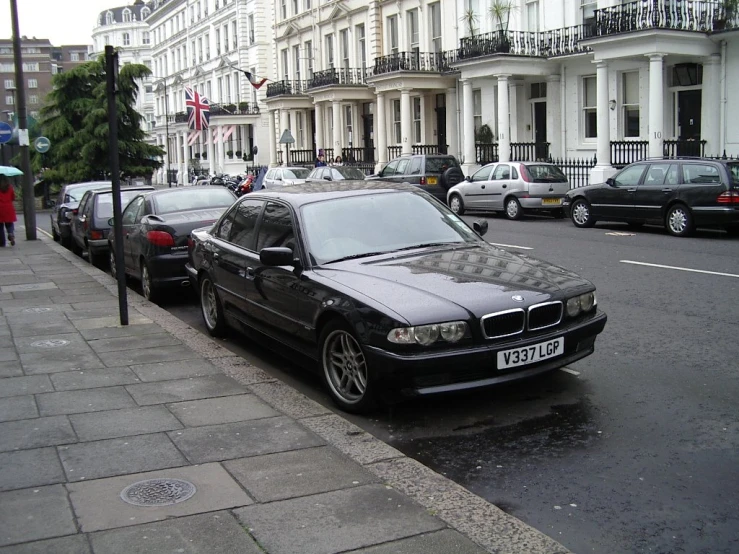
(350, 173)
(546, 173)
(295, 173)
(378, 224)
(75, 194)
(733, 172)
(104, 203)
(195, 198)
(440, 165)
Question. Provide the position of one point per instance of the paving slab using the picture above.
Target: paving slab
(147, 355)
(6, 341)
(19, 305)
(86, 400)
(214, 533)
(99, 506)
(28, 287)
(184, 389)
(242, 439)
(35, 433)
(352, 518)
(28, 384)
(131, 330)
(446, 541)
(10, 368)
(41, 327)
(126, 343)
(93, 378)
(98, 304)
(17, 407)
(8, 354)
(57, 360)
(91, 294)
(297, 473)
(34, 514)
(165, 371)
(30, 468)
(226, 409)
(73, 544)
(78, 278)
(123, 423)
(77, 314)
(106, 458)
(47, 294)
(30, 307)
(134, 321)
(58, 343)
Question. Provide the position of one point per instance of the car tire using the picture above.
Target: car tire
(66, 242)
(679, 221)
(558, 214)
(75, 248)
(148, 288)
(338, 346)
(581, 215)
(452, 176)
(211, 308)
(513, 208)
(456, 204)
(97, 260)
(54, 234)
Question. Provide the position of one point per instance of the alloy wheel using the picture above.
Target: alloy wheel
(455, 204)
(513, 209)
(209, 304)
(345, 366)
(581, 213)
(678, 221)
(146, 285)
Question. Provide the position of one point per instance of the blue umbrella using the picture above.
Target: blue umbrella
(10, 171)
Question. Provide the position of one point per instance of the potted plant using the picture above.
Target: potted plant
(238, 153)
(727, 15)
(230, 108)
(500, 13)
(243, 107)
(197, 155)
(204, 155)
(230, 153)
(484, 134)
(470, 20)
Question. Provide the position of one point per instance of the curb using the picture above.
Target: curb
(471, 515)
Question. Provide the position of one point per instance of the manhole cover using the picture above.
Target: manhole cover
(36, 310)
(158, 492)
(50, 343)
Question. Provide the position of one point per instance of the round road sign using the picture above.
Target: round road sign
(6, 132)
(42, 145)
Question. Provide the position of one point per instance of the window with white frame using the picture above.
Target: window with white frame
(126, 16)
(208, 90)
(344, 45)
(361, 51)
(471, 17)
(284, 9)
(253, 71)
(477, 109)
(106, 40)
(348, 124)
(10, 83)
(200, 13)
(417, 120)
(207, 46)
(220, 89)
(330, 115)
(330, 64)
(396, 122)
(237, 86)
(309, 58)
(145, 37)
(630, 103)
(192, 51)
(109, 18)
(412, 17)
(228, 88)
(588, 8)
(226, 45)
(285, 71)
(218, 42)
(30, 67)
(307, 4)
(251, 29)
(532, 16)
(589, 107)
(200, 50)
(179, 59)
(10, 99)
(435, 20)
(296, 61)
(32, 83)
(7, 68)
(392, 26)
(74, 56)
(33, 99)
(296, 9)
(234, 36)
(301, 129)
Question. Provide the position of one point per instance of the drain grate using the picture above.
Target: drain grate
(158, 492)
(50, 343)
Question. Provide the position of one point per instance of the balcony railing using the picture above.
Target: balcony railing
(242, 108)
(558, 42)
(624, 152)
(302, 157)
(180, 117)
(344, 76)
(688, 147)
(292, 87)
(488, 152)
(425, 62)
(682, 15)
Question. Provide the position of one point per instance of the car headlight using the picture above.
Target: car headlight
(581, 304)
(425, 335)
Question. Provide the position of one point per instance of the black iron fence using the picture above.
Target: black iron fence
(435, 62)
(576, 169)
(688, 147)
(681, 15)
(344, 76)
(242, 108)
(395, 151)
(529, 151)
(302, 156)
(624, 152)
(290, 87)
(558, 42)
(486, 153)
(363, 154)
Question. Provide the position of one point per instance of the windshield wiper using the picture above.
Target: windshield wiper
(355, 257)
(429, 244)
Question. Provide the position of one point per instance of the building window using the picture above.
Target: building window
(32, 83)
(301, 129)
(344, 45)
(330, 51)
(109, 18)
(630, 103)
(417, 120)
(251, 29)
(532, 16)
(10, 99)
(253, 71)
(126, 39)
(220, 89)
(199, 11)
(307, 4)
(296, 9)
(589, 103)
(435, 26)
(296, 61)
(126, 16)
(10, 83)
(200, 50)
(74, 56)
(207, 46)
(285, 71)
(538, 90)
(392, 24)
(7, 68)
(284, 9)
(412, 16)
(472, 25)
(234, 36)
(309, 58)
(145, 38)
(228, 88)
(225, 38)
(348, 125)
(33, 99)
(192, 51)
(218, 42)
(31, 67)
(588, 11)
(145, 13)
(396, 121)
(477, 109)
(361, 51)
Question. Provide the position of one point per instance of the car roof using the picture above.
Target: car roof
(176, 190)
(87, 184)
(298, 195)
(100, 192)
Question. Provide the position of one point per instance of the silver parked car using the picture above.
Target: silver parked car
(511, 188)
(282, 176)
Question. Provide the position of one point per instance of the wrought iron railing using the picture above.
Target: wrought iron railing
(576, 169)
(180, 117)
(682, 15)
(395, 151)
(558, 42)
(688, 147)
(302, 156)
(289, 87)
(486, 152)
(431, 62)
(529, 151)
(363, 154)
(344, 76)
(624, 152)
(242, 108)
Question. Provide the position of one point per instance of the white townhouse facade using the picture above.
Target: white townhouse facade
(203, 44)
(609, 80)
(125, 28)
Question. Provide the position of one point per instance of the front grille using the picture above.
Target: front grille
(503, 324)
(544, 315)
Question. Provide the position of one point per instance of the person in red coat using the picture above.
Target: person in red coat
(7, 211)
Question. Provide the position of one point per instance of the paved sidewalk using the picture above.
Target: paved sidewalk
(232, 460)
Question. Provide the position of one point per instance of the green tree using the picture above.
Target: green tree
(75, 119)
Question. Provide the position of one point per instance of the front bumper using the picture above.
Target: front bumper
(424, 373)
(168, 270)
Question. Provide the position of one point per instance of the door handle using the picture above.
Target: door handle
(630, 190)
(483, 186)
(505, 186)
(666, 190)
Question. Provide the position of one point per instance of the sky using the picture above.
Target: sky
(61, 21)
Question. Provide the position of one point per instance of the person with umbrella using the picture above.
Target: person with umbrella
(7, 210)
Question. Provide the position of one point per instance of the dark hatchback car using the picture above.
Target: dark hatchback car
(680, 194)
(156, 228)
(387, 290)
(66, 201)
(89, 225)
(434, 173)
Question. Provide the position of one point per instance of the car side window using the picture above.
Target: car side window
(514, 173)
(673, 175)
(243, 229)
(83, 203)
(335, 175)
(702, 174)
(278, 175)
(482, 174)
(415, 166)
(270, 174)
(656, 174)
(389, 169)
(502, 171)
(402, 167)
(630, 176)
(276, 228)
(129, 214)
(144, 210)
(223, 231)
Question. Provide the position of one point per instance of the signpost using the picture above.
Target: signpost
(287, 139)
(42, 145)
(6, 132)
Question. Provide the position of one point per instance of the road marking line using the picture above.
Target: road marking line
(568, 370)
(44, 232)
(510, 246)
(681, 268)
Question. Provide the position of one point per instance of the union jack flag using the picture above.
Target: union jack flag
(198, 110)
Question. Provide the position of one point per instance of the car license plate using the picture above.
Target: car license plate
(431, 181)
(531, 354)
(551, 201)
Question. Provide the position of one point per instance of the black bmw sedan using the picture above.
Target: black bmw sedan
(156, 227)
(387, 289)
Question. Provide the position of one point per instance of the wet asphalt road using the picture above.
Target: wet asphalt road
(639, 451)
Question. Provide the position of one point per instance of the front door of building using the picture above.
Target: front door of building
(689, 122)
(541, 151)
(368, 136)
(441, 123)
(313, 131)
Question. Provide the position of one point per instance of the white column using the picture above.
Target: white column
(380, 125)
(283, 126)
(336, 142)
(711, 102)
(220, 150)
(452, 136)
(468, 125)
(554, 116)
(320, 141)
(405, 121)
(272, 139)
(504, 120)
(514, 100)
(185, 159)
(656, 106)
(211, 150)
(603, 151)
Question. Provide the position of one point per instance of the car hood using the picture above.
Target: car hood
(445, 284)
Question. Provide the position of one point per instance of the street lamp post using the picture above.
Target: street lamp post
(166, 131)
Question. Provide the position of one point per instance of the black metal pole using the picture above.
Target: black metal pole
(111, 71)
(29, 205)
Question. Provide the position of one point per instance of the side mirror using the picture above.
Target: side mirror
(276, 256)
(611, 182)
(480, 226)
(468, 178)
